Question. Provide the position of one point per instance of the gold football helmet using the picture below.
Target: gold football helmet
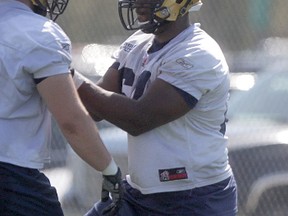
(161, 12)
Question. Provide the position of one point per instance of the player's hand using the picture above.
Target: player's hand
(112, 185)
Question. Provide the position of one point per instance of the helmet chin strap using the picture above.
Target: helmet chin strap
(153, 26)
(39, 8)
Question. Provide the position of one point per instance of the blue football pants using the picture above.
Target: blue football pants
(26, 192)
(219, 199)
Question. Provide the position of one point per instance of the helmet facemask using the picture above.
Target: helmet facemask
(52, 8)
(162, 12)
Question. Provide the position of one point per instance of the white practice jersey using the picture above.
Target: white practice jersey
(190, 151)
(31, 47)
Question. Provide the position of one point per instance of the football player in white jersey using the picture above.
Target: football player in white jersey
(34, 78)
(168, 89)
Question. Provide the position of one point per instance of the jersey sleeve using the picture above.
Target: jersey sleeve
(195, 73)
(50, 54)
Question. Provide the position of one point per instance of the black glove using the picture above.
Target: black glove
(112, 184)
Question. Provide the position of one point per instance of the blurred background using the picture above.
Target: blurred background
(253, 35)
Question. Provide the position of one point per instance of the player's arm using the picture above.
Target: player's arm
(161, 104)
(62, 100)
(110, 81)
(60, 95)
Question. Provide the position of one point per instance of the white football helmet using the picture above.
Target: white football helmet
(162, 11)
(52, 8)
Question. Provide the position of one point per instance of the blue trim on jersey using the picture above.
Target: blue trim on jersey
(38, 80)
(156, 46)
(189, 99)
(223, 126)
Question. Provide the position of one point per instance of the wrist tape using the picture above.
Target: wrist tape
(111, 169)
(78, 79)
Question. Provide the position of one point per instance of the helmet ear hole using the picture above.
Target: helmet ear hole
(182, 11)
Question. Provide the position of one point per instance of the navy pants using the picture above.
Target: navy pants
(26, 192)
(219, 199)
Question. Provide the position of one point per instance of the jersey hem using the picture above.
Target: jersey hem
(32, 165)
(162, 189)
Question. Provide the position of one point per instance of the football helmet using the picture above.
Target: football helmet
(52, 8)
(161, 12)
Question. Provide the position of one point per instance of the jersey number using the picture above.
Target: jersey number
(129, 78)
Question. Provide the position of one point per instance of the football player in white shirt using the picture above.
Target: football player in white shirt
(35, 81)
(168, 89)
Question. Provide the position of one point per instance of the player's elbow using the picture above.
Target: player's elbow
(73, 124)
(139, 127)
(134, 132)
(69, 128)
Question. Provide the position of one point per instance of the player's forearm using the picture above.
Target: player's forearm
(83, 137)
(115, 108)
(79, 129)
(126, 113)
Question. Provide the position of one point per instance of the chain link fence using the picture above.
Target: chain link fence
(252, 34)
